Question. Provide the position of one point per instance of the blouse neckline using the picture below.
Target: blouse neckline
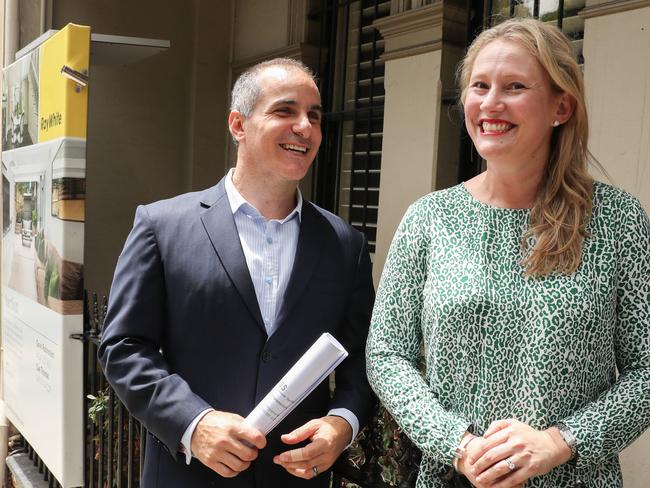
(478, 203)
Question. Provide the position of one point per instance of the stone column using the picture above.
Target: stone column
(12, 31)
(413, 41)
(617, 79)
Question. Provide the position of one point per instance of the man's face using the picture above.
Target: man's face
(281, 137)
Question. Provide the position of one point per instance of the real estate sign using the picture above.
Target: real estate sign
(44, 118)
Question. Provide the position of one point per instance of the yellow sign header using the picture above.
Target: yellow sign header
(63, 105)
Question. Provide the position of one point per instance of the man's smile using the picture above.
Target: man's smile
(295, 148)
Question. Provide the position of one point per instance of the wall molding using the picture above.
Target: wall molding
(307, 53)
(412, 50)
(411, 20)
(612, 7)
(397, 6)
(412, 32)
(297, 21)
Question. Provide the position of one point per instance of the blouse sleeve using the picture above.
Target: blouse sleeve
(393, 348)
(607, 425)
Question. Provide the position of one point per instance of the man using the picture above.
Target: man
(217, 294)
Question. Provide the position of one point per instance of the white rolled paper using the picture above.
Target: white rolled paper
(304, 376)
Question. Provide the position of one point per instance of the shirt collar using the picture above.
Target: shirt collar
(238, 202)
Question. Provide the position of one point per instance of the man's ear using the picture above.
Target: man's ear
(236, 125)
(565, 107)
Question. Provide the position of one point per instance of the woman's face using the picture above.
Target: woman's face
(510, 107)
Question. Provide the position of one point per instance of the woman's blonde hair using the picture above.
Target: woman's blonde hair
(562, 206)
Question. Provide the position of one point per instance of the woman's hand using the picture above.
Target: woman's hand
(513, 452)
(474, 450)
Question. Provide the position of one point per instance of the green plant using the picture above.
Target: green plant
(98, 404)
(53, 285)
(100, 407)
(39, 243)
(46, 279)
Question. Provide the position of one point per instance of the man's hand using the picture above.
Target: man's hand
(220, 442)
(329, 436)
(513, 452)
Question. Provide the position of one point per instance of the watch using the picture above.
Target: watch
(459, 453)
(569, 438)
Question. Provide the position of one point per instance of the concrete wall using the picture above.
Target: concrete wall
(253, 42)
(617, 77)
(409, 152)
(29, 20)
(156, 128)
(260, 26)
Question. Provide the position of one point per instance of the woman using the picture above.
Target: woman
(529, 286)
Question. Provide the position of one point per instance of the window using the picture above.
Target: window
(69, 198)
(563, 13)
(69, 181)
(352, 87)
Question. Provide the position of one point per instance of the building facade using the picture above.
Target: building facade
(392, 127)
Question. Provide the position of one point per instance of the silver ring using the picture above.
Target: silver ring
(511, 466)
(315, 470)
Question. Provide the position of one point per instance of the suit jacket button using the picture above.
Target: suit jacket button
(266, 356)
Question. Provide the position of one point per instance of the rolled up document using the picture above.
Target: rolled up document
(308, 372)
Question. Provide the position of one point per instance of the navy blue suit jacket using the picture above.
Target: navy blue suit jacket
(184, 331)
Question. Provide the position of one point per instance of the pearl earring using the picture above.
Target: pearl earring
(556, 123)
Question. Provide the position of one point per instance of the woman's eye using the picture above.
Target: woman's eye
(516, 86)
(480, 85)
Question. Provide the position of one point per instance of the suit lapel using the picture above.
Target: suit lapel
(308, 252)
(220, 225)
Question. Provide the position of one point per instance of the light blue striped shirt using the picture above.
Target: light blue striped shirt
(269, 247)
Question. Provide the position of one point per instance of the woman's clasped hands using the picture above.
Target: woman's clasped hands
(510, 453)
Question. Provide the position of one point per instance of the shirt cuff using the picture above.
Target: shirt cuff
(186, 440)
(351, 419)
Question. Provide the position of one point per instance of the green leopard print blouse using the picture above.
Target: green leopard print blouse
(500, 345)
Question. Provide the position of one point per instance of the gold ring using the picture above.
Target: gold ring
(315, 470)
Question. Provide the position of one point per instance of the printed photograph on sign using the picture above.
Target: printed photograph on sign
(46, 202)
(20, 94)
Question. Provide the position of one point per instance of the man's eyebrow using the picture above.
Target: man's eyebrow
(292, 102)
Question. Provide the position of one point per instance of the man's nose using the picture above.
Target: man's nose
(492, 101)
(302, 126)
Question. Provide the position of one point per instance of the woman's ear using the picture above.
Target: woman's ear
(565, 107)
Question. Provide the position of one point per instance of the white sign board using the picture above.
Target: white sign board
(44, 189)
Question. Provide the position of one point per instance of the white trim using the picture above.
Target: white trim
(612, 7)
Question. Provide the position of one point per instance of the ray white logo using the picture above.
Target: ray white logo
(55, 119)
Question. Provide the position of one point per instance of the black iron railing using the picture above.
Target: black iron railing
(115, 441)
